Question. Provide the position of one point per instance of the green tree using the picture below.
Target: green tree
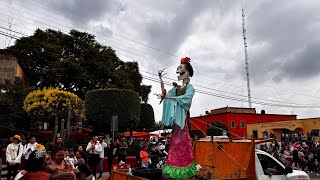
(75, 62)
(102, 104)
(144, 93)
(147, 120)
(12, 95)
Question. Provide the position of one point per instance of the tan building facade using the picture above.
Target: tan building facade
(261, 130)
(9, 69)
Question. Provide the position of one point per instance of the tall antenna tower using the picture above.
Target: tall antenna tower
(246, 58)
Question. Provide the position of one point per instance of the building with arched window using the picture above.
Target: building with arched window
(301, 126)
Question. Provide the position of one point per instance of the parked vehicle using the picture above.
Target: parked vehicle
(269, 168)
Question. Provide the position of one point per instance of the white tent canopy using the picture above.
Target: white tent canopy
(161, 131)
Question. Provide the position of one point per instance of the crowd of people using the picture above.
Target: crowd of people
(35, 161)
(152, 155)
(31, 159)
(296, 150)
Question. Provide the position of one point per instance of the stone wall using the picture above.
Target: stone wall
(8, 67)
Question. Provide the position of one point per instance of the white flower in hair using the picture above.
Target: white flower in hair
(40, 151)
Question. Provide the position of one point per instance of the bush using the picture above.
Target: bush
(146, 117)
(102, 104)
(44, 105)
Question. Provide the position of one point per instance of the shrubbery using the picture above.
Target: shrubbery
(102, 104)
(44, 105)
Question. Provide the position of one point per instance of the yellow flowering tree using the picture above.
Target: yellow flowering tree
(47, 104)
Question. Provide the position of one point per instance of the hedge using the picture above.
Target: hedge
(102, 104)
(146, 117)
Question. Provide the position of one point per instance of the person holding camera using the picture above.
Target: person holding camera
(94, 148)
(28, 148)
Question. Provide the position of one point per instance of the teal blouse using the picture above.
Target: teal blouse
(175, 111)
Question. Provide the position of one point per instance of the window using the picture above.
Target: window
(233, 124)
(242, 125)
(270, 166)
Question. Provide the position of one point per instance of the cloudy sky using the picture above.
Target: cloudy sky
(283, 45)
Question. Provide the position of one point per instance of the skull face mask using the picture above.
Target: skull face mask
(183, 72)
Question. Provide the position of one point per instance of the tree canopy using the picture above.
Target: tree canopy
(76, 63)
(147, 120)
(47, 104)
(12, 95)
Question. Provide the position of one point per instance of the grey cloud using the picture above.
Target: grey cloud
(86, 10)
(168, 36)
(285, 28)
(304, 65)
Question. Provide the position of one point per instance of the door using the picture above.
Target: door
(255, 133)
(272, 170)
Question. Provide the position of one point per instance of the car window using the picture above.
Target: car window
(269, 166)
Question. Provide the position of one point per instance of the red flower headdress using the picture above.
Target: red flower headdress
(186, 59)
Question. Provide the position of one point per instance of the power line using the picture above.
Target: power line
(234, 98)
(228, 92)
(138, 55)
(160, 61)
(8, 35)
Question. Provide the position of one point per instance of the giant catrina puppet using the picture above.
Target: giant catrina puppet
(176, 106)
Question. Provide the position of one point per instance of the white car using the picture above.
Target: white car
(268, 167)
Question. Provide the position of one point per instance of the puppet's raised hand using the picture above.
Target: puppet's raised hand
(163, 90)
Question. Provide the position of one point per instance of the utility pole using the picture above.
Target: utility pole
(246, 58)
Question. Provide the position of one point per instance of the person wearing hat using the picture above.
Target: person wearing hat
(13, 155)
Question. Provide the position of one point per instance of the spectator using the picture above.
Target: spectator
(112, 153)
(82, 154)
(35, 165)
(84, 169)
(295, 157)
(123, 146)
(28, 148)
(59, 168)
(58, 143)
(101, 155)
(13, 155)
(144, 156)
(311, 162)
(154, 155)
(94, 148)
(71, 158)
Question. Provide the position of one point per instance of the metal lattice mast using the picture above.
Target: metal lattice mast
(246, 58)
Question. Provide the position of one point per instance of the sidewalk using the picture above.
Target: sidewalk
(4, 172)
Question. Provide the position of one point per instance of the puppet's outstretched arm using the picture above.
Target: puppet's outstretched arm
(163, 90)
